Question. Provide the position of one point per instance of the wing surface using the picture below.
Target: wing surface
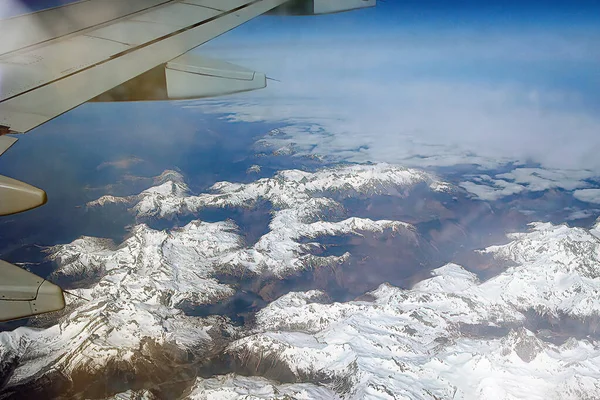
(102, 44)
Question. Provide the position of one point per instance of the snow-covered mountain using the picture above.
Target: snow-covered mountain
(450, 336)
(286, 190)
(239, 387)
(302, 203)
(131, 320)
(233, 387)
(135, 288)
(557, 272)
(150, 266)
(596, 229)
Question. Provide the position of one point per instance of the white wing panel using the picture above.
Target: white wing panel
(30, 109)
(178, 15)
(28, 70)
(22, 72)
(30, 29)
(132, 33)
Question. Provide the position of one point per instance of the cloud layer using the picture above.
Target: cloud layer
(417, 98)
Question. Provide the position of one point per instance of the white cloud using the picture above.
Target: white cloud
(410, 102)
(490, 189)
(581, 214)
(423, 124)
(538, 179)
(121, 163)
(588, 195)
(528, 179)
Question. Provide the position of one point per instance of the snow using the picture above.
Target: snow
(108, 199)
(450, 336)
(100, 332)
(287, 189)
(596, 229)
(412, 343)
(302, 201)
(132, 302)
(232, 387)
(178, 265)
(451, 278)
(557, 271)
(134, 395)
(253, 169)
(136, 287)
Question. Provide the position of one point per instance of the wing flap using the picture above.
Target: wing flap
(193, 76)
(195, 64)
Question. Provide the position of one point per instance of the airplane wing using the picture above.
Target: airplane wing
(23, 294)
(115, 50)
(78, 52)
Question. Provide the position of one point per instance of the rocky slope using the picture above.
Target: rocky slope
(231, 387)
(136, 288)
(130, 325)
(303, 206)
(240, 387)
(450, 336)
(286, 190)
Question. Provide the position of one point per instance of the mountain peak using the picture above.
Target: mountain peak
(556, 271)
(450, 278)
(522, 342)
(169, 175)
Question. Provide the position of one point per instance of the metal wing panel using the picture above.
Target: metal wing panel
(30, 29)
(178, 15)
(22, 72)
(201, 65)
(27, 70)
(132, 33)
(32, 108)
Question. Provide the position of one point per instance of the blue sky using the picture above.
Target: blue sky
(432, 84)
(544, 27)
(427, 83)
